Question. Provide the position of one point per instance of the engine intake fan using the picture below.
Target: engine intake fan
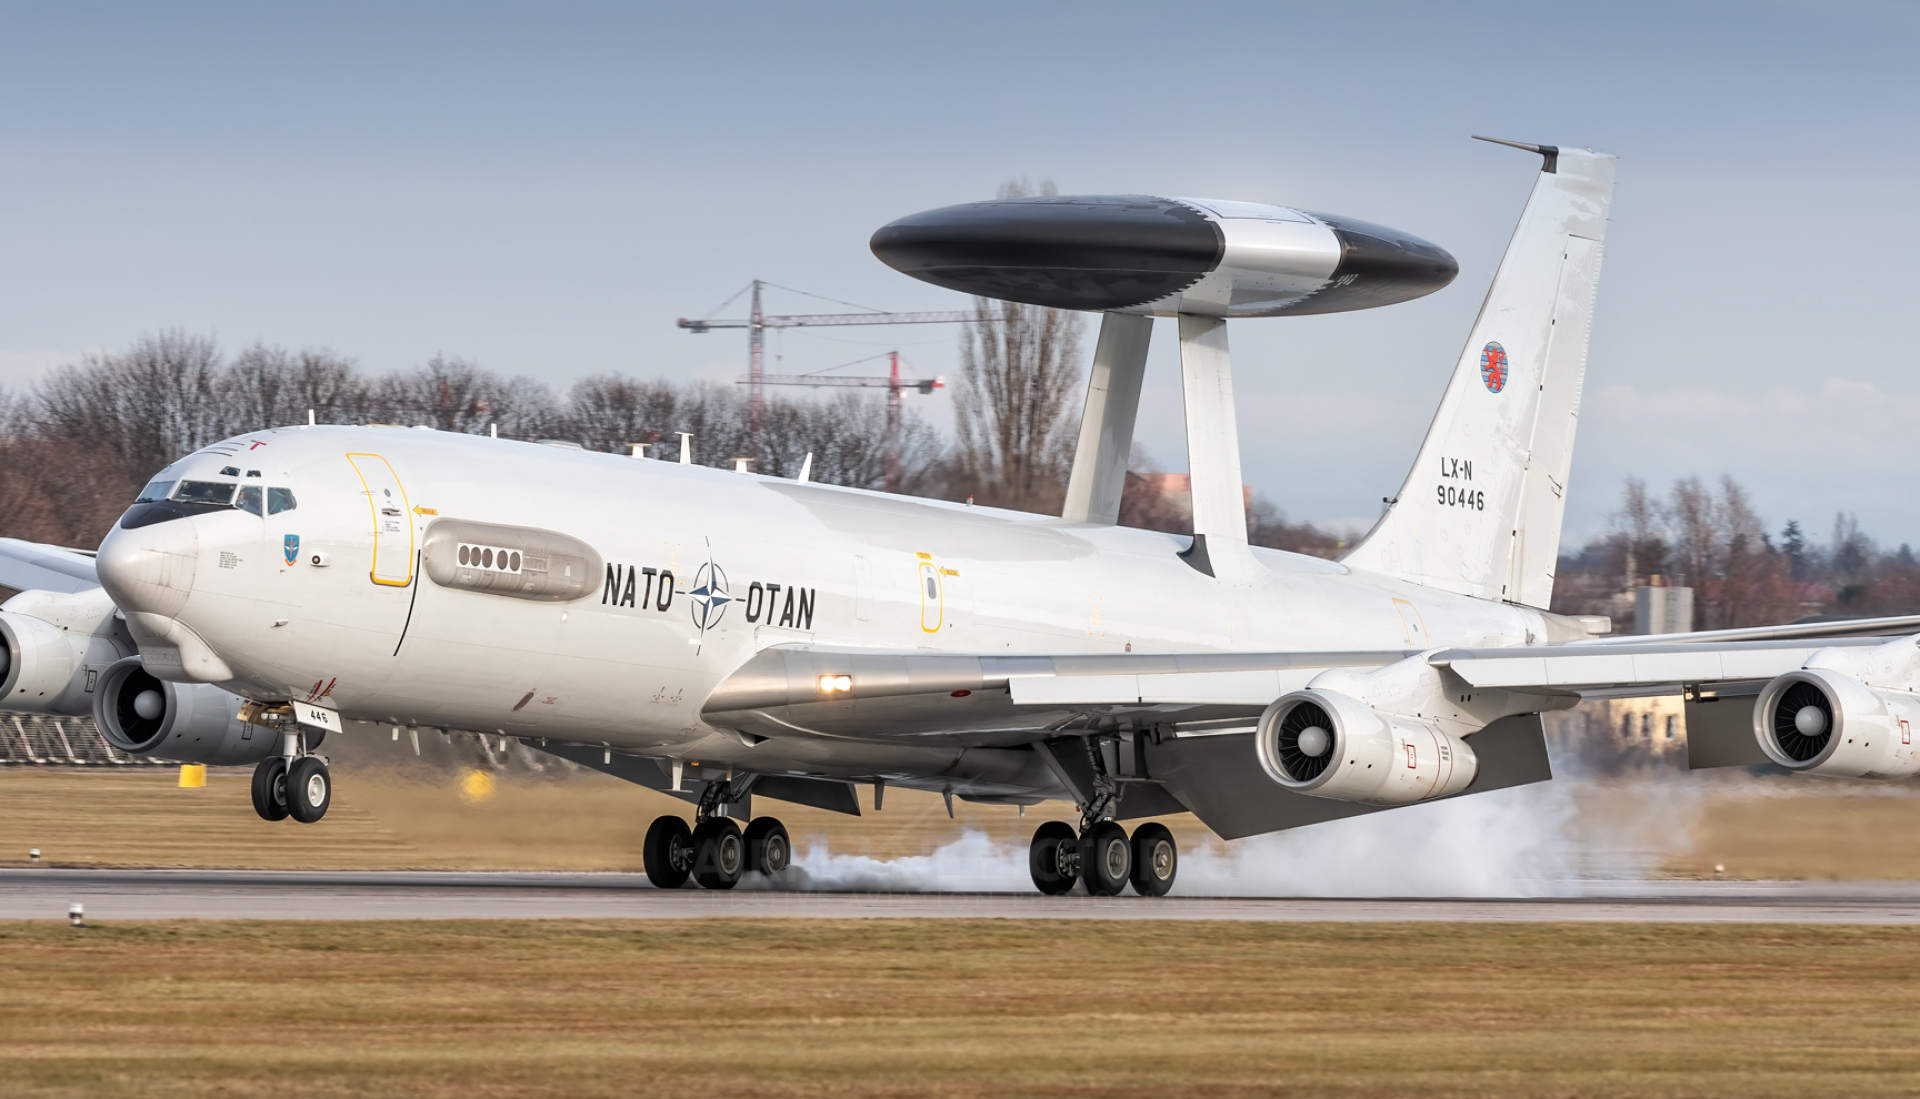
(1331, 745)
(190, 722)
(1822, 722)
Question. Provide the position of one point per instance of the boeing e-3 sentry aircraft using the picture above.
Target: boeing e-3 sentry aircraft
(725, 636)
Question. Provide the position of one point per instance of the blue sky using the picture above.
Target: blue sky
(544, 188)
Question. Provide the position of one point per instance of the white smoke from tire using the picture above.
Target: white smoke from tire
(1549, 839)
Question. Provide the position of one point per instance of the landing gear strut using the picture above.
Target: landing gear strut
(714, 852)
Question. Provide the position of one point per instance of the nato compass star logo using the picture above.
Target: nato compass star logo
(1493, 367)
(710, 596)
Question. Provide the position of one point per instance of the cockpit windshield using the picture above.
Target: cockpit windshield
(165, 498)
(217, 493)
(156, 490)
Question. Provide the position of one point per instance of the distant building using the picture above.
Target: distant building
(1619, 733)
(1658, 608)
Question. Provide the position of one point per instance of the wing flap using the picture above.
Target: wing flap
(1576, 666)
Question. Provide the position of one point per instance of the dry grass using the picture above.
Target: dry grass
(140, 818)
(419, 819)
(954, 1008)
(1832, 833)
(398, 819)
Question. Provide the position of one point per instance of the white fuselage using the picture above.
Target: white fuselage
(760, 561)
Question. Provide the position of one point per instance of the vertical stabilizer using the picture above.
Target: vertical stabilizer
(1480, 513)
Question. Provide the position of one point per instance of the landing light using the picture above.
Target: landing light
(832, 683)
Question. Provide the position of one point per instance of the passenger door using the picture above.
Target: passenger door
(392, 525)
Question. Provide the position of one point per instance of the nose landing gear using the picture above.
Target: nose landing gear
(270, 788)
(309, 789)
(294, 784)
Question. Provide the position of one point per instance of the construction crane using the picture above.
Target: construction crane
(758, 323)
(894, 387)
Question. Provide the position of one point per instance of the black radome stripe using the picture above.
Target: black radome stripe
(1070, 252)
(1378, 266)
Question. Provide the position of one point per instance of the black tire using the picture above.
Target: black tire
(270, 788)
(309, 789)
(1106, 859)
(769, 849)
(719, 853)
(668, 852)
(1054, 857)
(1156, 859)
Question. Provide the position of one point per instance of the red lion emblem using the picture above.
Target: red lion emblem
(1493, 367)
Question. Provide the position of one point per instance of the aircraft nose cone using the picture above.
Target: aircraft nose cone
(150, 568)
(1092, 252)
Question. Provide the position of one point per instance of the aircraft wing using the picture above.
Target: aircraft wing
(983, 699)
(33, 566)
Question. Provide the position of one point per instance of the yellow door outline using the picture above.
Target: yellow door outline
(373, 504)
(933, 607)
(1413, 624)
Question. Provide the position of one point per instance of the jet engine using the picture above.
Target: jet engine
(43, 667)
(1332, 745)
(1821, 722)
(190, 722)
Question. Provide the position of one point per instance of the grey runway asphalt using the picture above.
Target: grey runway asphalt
(107, 895)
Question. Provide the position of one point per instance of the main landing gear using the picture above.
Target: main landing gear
(1104, 857)
(294, 784)
(714, 852)
(1101, 854)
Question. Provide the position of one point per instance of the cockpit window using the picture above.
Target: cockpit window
(155, 490)
(217, 493)
(279, 500)
(249, 499)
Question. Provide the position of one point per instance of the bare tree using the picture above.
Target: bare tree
(457, 395)
(846, 435)
(1019, 369)
(611, 413)
(148, 405)
(267, 386)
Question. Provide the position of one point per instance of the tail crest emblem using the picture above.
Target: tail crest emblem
(1493, 367)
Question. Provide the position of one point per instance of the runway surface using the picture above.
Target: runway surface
(251, 894)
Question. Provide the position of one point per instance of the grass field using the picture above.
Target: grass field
(386, 820)
(953, 1008)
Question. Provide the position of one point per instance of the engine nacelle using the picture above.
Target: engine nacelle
(49, 642)
(1332, 745)
(190, 722)
(1822, 722)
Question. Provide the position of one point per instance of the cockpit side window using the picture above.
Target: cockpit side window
(156, 489)
(279, 500)
(218, 493)
(249, 499)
